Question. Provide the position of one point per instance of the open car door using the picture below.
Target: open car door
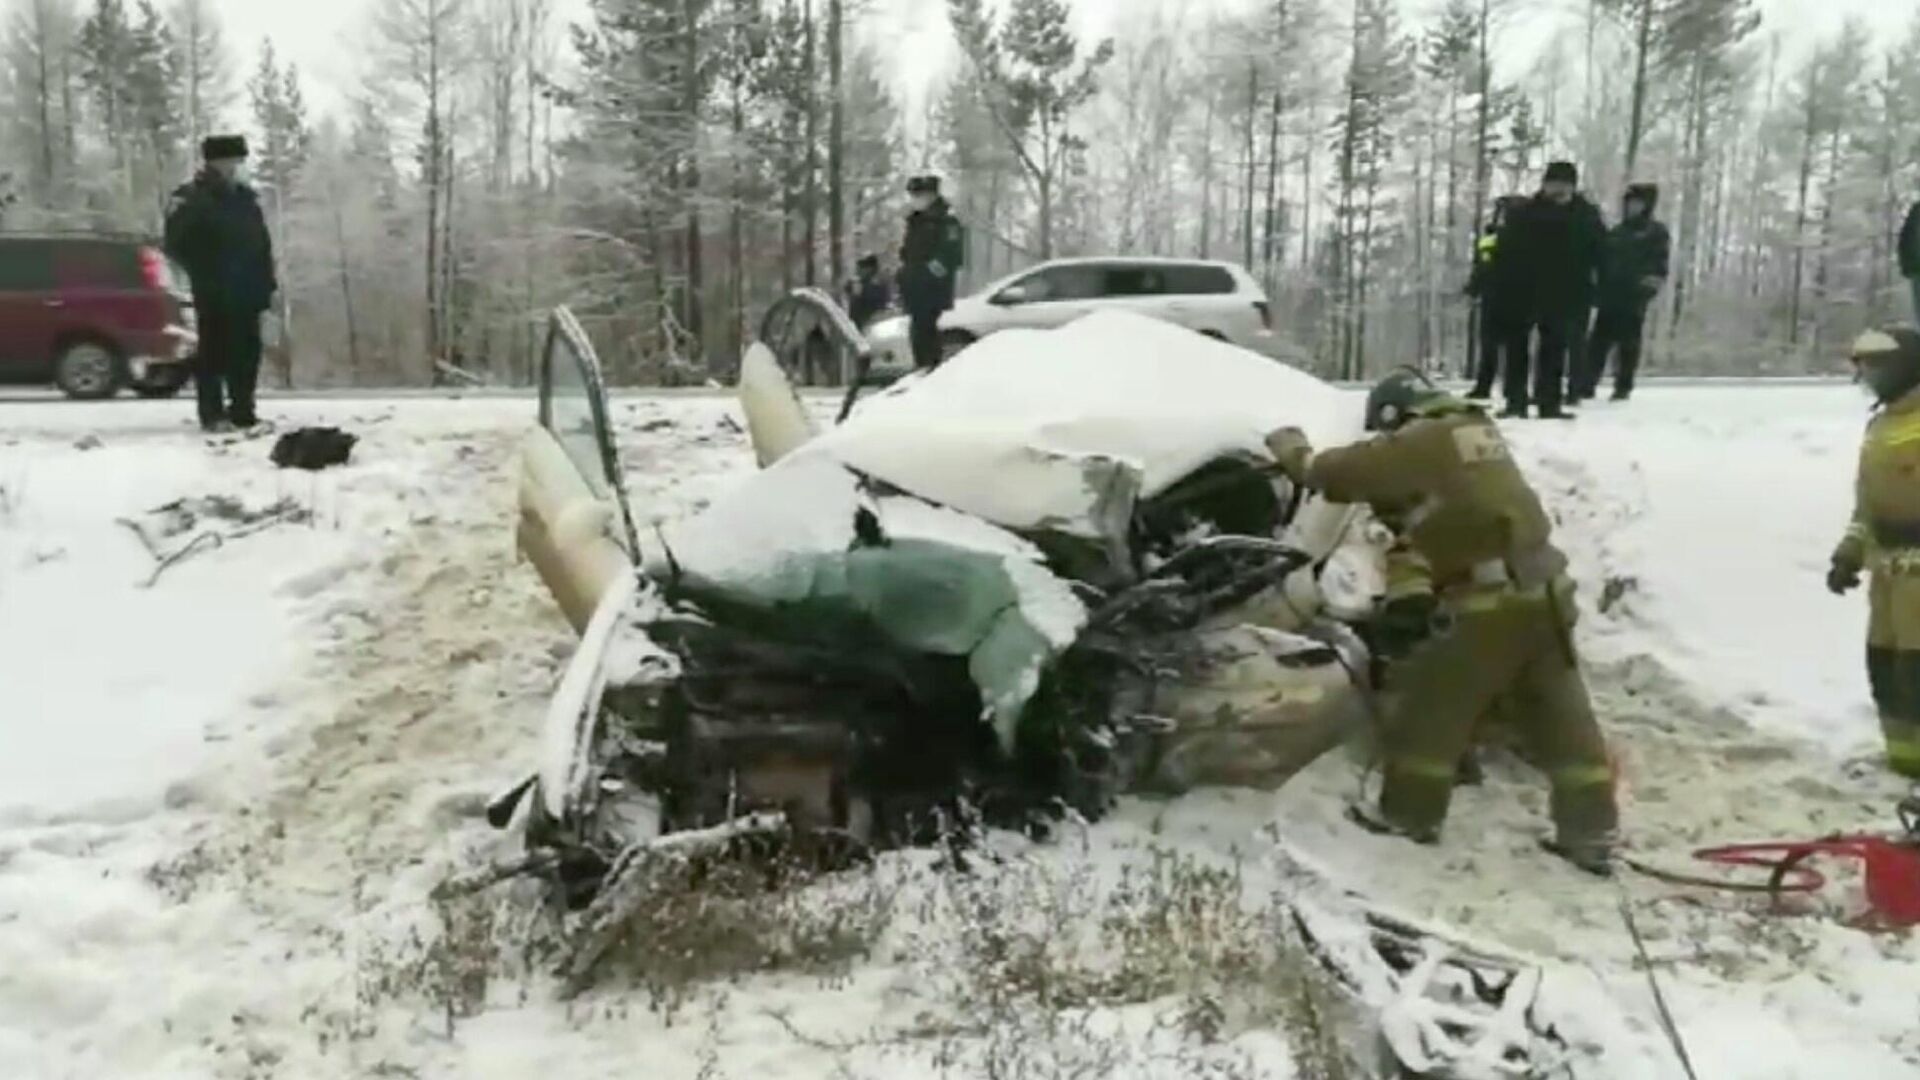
(575, 524)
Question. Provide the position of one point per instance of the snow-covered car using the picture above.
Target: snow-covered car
(978, 596)
(1217, 299)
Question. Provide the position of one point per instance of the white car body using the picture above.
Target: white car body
(1217, 299)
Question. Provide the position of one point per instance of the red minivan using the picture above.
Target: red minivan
(91, 314)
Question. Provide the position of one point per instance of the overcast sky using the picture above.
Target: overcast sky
(326, 37)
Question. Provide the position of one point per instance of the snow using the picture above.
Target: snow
(220, 839)
(1060, 427)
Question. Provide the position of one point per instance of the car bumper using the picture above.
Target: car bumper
(175, 347)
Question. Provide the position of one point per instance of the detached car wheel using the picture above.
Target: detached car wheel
(87, 371)
(163, 382)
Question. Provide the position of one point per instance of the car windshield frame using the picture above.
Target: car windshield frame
(590, 446)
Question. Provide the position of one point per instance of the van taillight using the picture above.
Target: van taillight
(153, 269)
(1266, 313)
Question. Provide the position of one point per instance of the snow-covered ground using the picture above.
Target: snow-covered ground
(223, 798)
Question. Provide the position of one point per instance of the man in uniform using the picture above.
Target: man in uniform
(1499, 319)
(1503, 628)
(931, 255)
(1631, 273)
(867, 295)
(216, 231)
(1550, 255)
(1885, 538)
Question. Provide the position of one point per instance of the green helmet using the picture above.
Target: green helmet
(1888, 361)
(1395, 399)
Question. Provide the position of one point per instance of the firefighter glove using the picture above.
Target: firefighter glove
(1405, 622)
(1292, 452)
(1843, 576)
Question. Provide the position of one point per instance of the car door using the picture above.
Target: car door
(575, 524)
(1050, 296)
(1203, 297)
(30, 308)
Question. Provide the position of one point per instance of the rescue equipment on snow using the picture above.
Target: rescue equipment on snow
(1890, 865)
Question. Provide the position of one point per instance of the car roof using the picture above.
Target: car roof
(1138, 260)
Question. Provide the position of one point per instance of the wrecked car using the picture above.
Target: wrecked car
(1056, 569)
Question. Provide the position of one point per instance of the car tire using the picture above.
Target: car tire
(953, 342)
(166, 384)
(87, 370)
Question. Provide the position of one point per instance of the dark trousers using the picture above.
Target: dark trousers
(1618, 327)
(227, 367)
(923, 332)
(1558, 332)
(1496, 339)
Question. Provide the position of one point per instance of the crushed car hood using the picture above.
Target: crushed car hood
(811, 548)
(909, 521)
(1065, 429)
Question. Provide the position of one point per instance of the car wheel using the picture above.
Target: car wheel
(953, 342)
(87, 371)
(162, 383)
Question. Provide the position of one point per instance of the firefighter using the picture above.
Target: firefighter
(1884, 538)
(1499, 317)
(216, 231)
(930, 256)
(1503, 623)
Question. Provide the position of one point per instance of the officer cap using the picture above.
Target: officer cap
(923, 185)
(223, 147)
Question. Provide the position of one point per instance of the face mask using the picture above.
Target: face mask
(922, 202)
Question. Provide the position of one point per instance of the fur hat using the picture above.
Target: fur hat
(924, 185)
(223, 147)
(1562, 170)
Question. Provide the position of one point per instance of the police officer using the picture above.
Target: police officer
(1504, 614)
(216, 231)
(1885, 538)
(1500, 317)
(1631, 273)
(930, 256)
(867, 295)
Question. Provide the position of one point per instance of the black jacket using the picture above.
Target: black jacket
(1637, 250)
(1909, 251)
(933, 236)
(1549, 256)
(216, 231)
(866, 299)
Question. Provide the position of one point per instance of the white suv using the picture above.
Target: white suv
(1217, 299)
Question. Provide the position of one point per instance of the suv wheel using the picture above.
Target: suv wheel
(87, 371)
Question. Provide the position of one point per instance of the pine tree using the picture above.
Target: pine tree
(1032, 79)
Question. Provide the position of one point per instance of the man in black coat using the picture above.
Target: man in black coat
(1631, 273)
(930, 256)
(1550, 256)
(216, 231)
(867, 295)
